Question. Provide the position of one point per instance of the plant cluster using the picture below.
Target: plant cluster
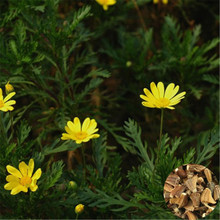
(75, 141)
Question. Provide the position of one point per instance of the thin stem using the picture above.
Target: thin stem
(139, 14)
(84, 163)
(77, 215)
(161, 126)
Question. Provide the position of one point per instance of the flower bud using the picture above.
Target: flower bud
(79, 208)
(8, 88)
(128, 63)
(165, 2)
(73, 185)
(155, 1)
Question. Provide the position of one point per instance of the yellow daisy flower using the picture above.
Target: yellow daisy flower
(8, 88)
(6, 105)
(158, 98)
(106, 3)
(80, 133)
(22, 179)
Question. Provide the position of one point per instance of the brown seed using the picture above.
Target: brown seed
(195, 167)
(181, 173)
(216, 192)
(190, 215)
(177, 191)
(191, 183)
(195, 197)
(168, 187)
(173, 179)
(208, 174)
(206, 197)
(189, 206)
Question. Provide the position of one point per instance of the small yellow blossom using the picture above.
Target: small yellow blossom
(8, 88)
(165, 2)
(155, 1)
(79, 208)
(22, 179)
(158, 98)
(6, 105)
(106, 3)
(80, 133)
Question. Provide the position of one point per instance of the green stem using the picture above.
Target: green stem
(84, 161)
(161, 126)
(77, 215)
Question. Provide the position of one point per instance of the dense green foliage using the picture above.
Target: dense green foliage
(70, 59)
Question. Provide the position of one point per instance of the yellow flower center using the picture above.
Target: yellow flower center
(81, 135)
(164, 102)
(25, 180)
(1, 103)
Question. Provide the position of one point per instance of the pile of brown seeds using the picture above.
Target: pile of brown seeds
(191, 191)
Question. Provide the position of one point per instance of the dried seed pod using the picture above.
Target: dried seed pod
(189, 206)
(177, 191)
(208, 174)
(173, 179)
(168, 187)
(166, 196)
(206, 197)
(216, 192)
(195, 197)
(195, 167)
(174, 200)
(191, 216)
(183, 200)
(200, 188)
(191, 183)
(200, 180)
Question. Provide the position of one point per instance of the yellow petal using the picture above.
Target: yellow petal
(11, 185)
(37, 174)
(23, 168)
(170, 107)
(11, 178)
(68, 130)
(86, 124)
(11, 102)
(92, 131)
(18, 189)
(1, 96)
(169, 90)
(147, 104)
(149, 95)
(13, 171)
(154, 90)
(9, 96)
(92, 126)
(105, 7)
(30, 167)
(33, 188)
(179, 96)
(77, 124)
(67, 137)
(160, 87)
